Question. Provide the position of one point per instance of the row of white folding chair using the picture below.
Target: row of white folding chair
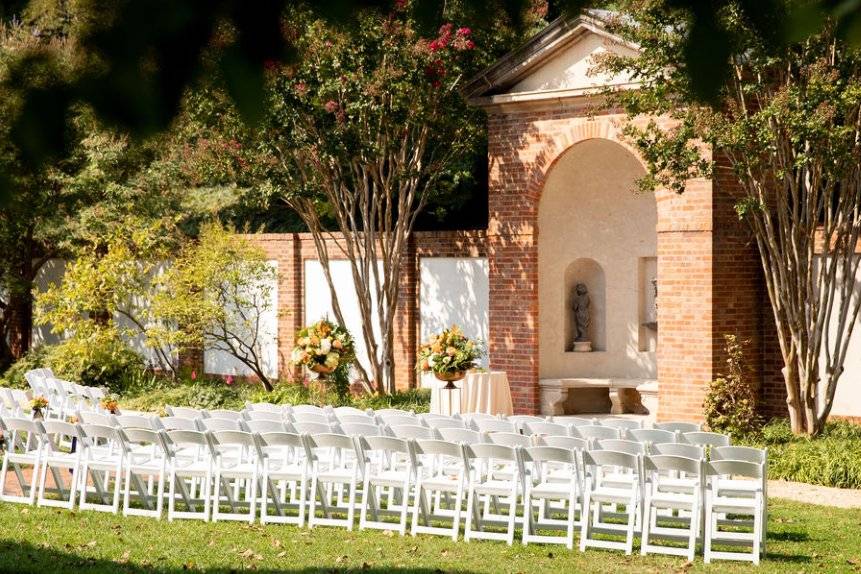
(63, 396)
(346, 473)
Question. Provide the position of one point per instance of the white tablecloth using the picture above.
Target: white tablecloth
(480, 392)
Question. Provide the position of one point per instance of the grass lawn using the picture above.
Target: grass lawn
(802, 538)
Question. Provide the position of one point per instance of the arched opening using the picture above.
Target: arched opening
(595, 229)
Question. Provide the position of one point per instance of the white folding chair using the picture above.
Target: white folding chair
(413, 432)
(706, 439)
(563, 489)
(723, 508)
(595, 432)
(22, 449)
(179, 423)
(312, 428)
(185, 412)
(521, 420)
(300, 409)
(495, 425)
(56, 459)
(224, 414)
(96, 418)
(545, 428)
(482, 459)
(265, 426)
(102, 465)
(360, 429)
(730, 486)
(680, 427)
(396, 412)
(441, 471)
(395, 420)
(263, 408)
(303, 417)
(459, 435)
(651, 436)
(284, 477)
(214, 425)
(444, 422)
(190, 468)
(576, 421)
(380, 469)
(333, 464)
(659, 468)
(264, 416)
(509, 439)
(135, 422)
(145, 464)
(236, 470)
(356, 419)
(597, 494)
(350, 411)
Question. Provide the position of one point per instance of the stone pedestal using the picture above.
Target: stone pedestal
(582, 347)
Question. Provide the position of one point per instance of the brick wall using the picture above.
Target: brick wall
(292, 250)
(709, 279)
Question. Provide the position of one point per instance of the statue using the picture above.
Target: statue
(581, 318)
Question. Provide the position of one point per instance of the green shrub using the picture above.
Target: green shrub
(103, 361)
(777, 432)
(730, 404)
(831, 459)
(14, 375)
(211, 393)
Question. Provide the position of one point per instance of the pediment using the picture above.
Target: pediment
(559, 59)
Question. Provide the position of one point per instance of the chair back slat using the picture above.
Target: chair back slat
(678, 449)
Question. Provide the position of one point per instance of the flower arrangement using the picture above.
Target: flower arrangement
(449, 355)
(110, 404)
(323, 347)
(38, 403)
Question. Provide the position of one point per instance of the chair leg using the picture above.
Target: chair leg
(648, 515)
(707, 536)
(458, 502)
(586, 519)
(512, 514)
(471, 512)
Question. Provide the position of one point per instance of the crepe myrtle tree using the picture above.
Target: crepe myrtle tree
(360, 135)
(787, 125)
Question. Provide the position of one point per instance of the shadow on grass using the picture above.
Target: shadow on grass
(23, 557)
(792, 536)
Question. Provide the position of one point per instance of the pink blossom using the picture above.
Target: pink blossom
(331, 106)
(464, 31)
(300, 88)
(228, 380)
(193, 375)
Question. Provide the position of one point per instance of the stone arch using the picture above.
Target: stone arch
(592, 227)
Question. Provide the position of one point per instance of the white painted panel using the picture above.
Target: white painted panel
(220, 363)
(847, 398)
(318, 301)
(50, 273)
(454, 291)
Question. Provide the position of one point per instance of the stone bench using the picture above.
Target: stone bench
(616, 396)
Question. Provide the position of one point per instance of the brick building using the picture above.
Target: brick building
(668, 275)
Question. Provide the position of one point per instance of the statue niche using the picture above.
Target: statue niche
(583, 308)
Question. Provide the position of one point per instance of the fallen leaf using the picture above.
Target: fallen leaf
(125, 557)
(282, 554)
(91, 543)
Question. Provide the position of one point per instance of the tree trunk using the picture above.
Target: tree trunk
(20, 320)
